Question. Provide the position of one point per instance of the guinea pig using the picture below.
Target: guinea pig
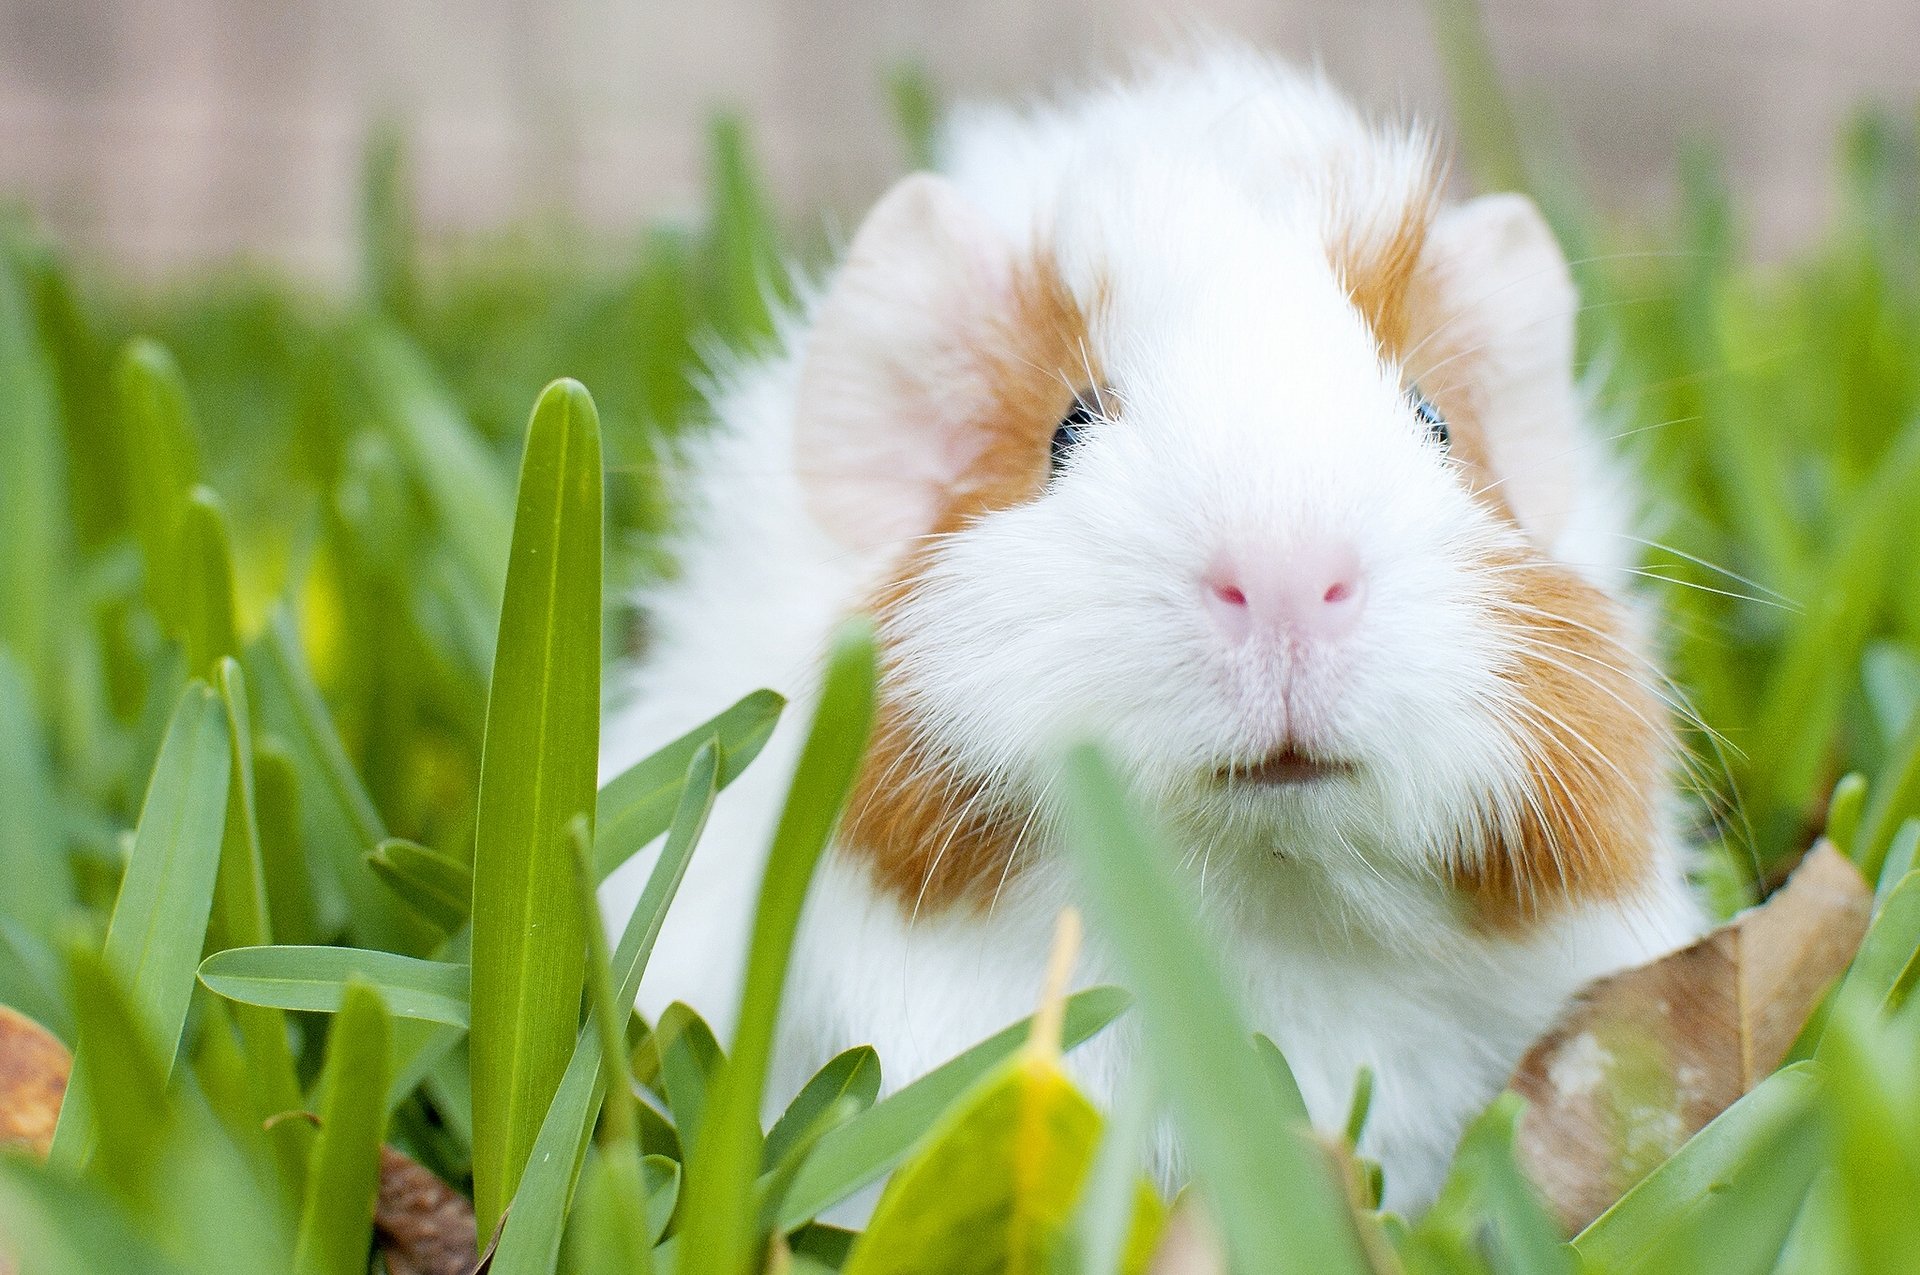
(1189, 415)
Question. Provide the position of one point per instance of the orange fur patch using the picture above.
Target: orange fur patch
(1379, 267)
(931, 837)
(1598, 742)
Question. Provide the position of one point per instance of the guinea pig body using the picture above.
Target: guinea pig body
(1184, 414)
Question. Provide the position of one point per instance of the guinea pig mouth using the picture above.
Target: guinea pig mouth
(1288, 764)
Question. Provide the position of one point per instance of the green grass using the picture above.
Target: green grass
(255, 590)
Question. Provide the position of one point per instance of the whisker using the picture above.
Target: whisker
(1715, 567)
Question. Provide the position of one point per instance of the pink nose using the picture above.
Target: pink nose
(1313, 592)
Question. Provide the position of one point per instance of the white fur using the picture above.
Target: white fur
(1255, 409)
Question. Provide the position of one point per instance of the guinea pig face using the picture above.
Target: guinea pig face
(1268, 503)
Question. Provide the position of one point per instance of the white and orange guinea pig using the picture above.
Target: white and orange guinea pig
(1187, 414)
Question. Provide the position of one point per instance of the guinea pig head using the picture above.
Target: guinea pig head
(1283, 495)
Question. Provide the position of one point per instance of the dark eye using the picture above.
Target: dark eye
(1071, 430)
(1429, 415)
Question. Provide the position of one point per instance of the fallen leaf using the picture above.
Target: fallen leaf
(33, 1079)
(423, 1226)
(1643, 1059)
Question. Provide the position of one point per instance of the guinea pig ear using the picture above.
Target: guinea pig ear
(891, 371)
(1507, 295)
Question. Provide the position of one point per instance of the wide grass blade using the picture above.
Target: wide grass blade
(638, 804)
(162, 463)
(63, 1227)
(537, 771)
(33, 484)
(860, 1152)
(160, 918)
(33, 853)
(1807, 687)
(995, 1186)
(316, 979)
(463, 484)
(1245, 1150)
(1893, 799)
(204, 577)
(690, 1060)
(530, 1242)
(291, 910)
(612, 1213)
(916, 111)
(240, 918)
(437, 886)
(1488, 1207)
(743, 255)
(851, 1076)
(1489, 137)
(336, 1219)
(160, 1148)
(339, 824)
(718, 1231)
(1727, 1199)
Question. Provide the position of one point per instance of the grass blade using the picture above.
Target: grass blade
(637, 805)
(339, 823)
(464, 485)
(531, 1240)
(205, 581)
(437, 886)
(199, 1197)
(240, 918)
(162, 463)
(995, 1186)
(536, 772)
(853, 1075)
(336, 1219)
(160, 918)
(1892, 800)
(612, 1212)
(1119, 1215)
(33, 483)
(1726, 1201)
(690, 1060)
(916, 111)
(743, 253)
(1488, 1207)
(718, 1228)
(316, 979)
(1245, 1150)
(864, 1149)
(68, 1227)
(33, 857)
(291, 911)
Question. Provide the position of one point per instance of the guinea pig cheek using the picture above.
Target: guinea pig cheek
(1577, 820)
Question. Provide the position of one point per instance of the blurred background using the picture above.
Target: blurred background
(344, 246)
(161, 136)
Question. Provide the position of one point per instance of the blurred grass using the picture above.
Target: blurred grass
(254, 571)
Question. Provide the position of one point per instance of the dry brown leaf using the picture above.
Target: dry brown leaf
(424, 1226)
(34, 1067)
(1641, 1060)
(33, 1080)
